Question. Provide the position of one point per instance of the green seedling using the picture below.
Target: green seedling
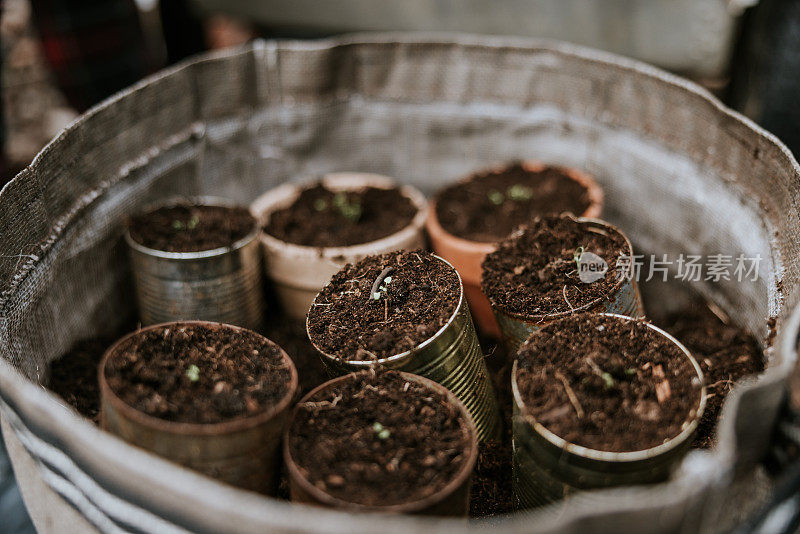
(630, 371)
(320, 204)
(177, 225)
(381, 432)
(193, 222)
(608, 379)
(519, 192)
(193, 373)
(495, 197)
(350, 209)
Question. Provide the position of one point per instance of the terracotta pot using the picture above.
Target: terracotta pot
(451, 357)
(299, 272)
(221, 285)
(242, 452)
(452, 500)
(467, 256)
(547, 468)
(623, 299)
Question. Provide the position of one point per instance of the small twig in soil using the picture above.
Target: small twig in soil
(564, 292)
(379, 281)
(571, 394)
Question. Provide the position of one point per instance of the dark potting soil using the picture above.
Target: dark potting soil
(73, 376)
(417, 294)
(377, 440)
(607, 384)
(196, 374)
(725, 352)
(489, 206)
(191, 228)
(534, 272)
(320, 217)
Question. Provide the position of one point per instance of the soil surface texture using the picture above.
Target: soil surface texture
(383, 305)
(725, 352)
(194, 374)
(191, 228)
(606, 384)
(489, 206)
(377, 440)
(320, 217)
(73, 376)
(534, 271)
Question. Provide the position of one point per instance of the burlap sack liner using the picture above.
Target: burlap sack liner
(238, 122)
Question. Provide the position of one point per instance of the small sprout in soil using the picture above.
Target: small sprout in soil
(193, 222)
(577, 256)
(320, 204)
(495, 197)
(608, 379)
(177, 225)
(379, 286)
(381, 432)
(193, 373)
(630, 371)
(519, 192)
(350, 210)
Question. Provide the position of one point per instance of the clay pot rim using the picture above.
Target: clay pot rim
(200, 254)
(460, 478)
(435, 229)
(628, 456)
(539, 318)
(194, 429)
(366, 364)
(264, 205)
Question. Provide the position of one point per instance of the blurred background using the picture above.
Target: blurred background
(58, 58)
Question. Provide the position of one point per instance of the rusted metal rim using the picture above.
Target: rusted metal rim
(630, 456)
(333, 181)
(585, 179)
(194, 429)
(366, 364)
(200, 254)
(552, 316)
(462, 476)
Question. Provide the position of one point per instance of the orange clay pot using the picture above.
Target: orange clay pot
(467, 256)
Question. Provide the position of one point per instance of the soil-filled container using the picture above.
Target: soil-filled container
(558, 266)
(387, 442)
(311, 231)
(467, 219)
(405, 310)
(600, 400)
(212, 397)
(197, 259)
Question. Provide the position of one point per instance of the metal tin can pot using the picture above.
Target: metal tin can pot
(243, 452)
(623, 299)
(452, 357)
(221, 285)
(467, 256)
(299, 272)
(547, 468)
(451, 500)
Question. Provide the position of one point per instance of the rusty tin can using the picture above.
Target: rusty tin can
(243, 452)
(451, 500)
(547, 468)
(623, 299)
(221, 285)
(452, 357)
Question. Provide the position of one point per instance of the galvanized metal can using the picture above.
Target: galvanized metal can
(221, 285)
(623, 299)
(243, 452)
(547, 468)
(451, 500)
(452, 357)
